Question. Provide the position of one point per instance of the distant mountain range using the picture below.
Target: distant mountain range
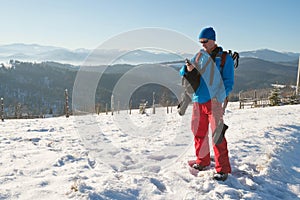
(270, 55)
(39, 53)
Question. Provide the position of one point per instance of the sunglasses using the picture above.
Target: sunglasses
(204, 41)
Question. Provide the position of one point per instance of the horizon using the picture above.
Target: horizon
(76, 24)
(80, 48)
(38, 53)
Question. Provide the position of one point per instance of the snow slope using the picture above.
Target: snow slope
(61, 158)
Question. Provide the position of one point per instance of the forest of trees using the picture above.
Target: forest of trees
(36, 89)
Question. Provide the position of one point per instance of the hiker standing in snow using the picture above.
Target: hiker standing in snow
(212, 81)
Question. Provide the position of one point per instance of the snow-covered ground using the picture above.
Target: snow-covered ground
(102, 157)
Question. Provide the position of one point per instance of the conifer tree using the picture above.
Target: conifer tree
(275, 97)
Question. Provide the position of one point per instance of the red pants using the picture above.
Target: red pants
(203, 115)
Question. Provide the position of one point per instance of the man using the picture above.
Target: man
(215, 82)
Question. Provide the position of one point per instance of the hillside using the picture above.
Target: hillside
(38, 88)
(255, 73)
(35, 88)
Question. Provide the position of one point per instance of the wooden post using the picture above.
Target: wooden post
(240, 99)
(67, 103)
(298, 80)
(19, 110)
(2, 109)
(118, 107)
(153, 103)
(167, 107)
(255, 98)
(98, 108)
(130, 106)
(106, 108)
(16, 111)
(112, 104)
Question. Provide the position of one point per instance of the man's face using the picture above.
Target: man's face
(207, 44)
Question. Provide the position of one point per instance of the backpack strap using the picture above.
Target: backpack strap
(198, 58)
(223, 58)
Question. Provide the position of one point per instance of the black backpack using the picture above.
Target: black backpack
(235, 57)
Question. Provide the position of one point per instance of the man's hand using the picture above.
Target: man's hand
(189, 65)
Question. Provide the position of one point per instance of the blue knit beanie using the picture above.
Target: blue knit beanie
(208, 33)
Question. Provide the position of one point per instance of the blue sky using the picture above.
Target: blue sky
(240, 25)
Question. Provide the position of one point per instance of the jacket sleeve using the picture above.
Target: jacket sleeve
(183, 70)
(228, 75)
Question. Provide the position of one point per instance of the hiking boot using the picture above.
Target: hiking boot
(198, 167)
(220, 176)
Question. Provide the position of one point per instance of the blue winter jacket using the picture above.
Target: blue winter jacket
(222, 79)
